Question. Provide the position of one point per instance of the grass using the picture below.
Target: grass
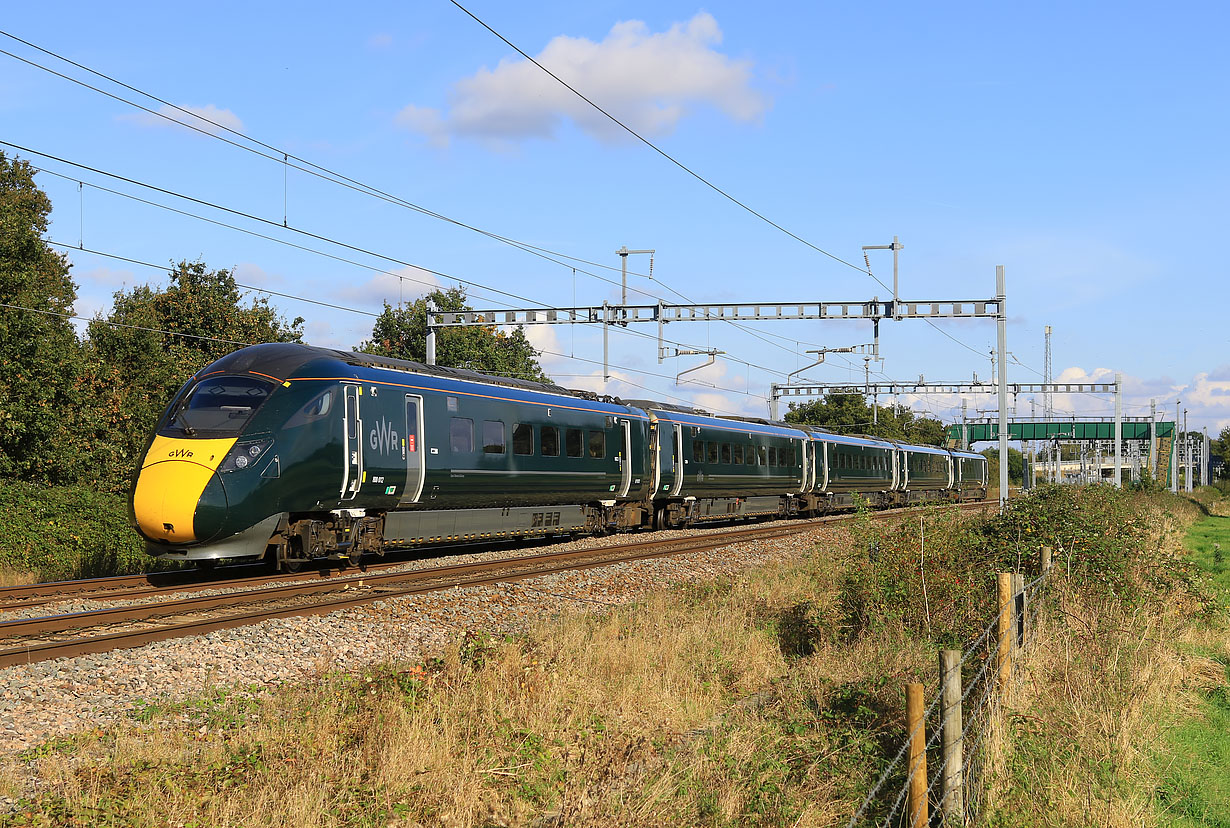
(771, 699)
(1194, 789)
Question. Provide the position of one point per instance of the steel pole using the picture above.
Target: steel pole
(1118, 430)
(1001, 323)
(606, 340)
(431, 332)
(1153, 439)
(1187, 449)
(1174, 450)
(1204, 458)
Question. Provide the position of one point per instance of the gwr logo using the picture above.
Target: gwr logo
(384, 438)
(179, 453)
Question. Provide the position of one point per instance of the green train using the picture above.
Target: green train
(294, 452)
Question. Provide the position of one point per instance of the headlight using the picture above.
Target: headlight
(245, 454)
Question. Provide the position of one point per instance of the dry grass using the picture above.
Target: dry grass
(745, 702)
(17, 577)
(682, 710)
(1094, 696)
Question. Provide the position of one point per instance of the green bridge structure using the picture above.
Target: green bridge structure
(1156, 438)
(1133, 428)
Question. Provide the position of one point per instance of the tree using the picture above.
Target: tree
(850, 413)
(39, 351)
(135, 368)
(401, 332)
(1016, 465)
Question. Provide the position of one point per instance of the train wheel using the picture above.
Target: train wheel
(660, 520)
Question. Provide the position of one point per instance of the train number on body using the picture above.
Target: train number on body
(545, 519)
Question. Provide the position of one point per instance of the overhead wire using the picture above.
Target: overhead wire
(329, 174)
(343, 180)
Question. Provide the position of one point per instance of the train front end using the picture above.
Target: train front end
(208, 457)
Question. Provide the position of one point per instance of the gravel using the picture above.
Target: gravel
(54, 698)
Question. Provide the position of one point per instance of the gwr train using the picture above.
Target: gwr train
(299, 452)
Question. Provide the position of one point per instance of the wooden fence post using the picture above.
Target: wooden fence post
(953, 783)
(1046, 559)
(916, 727)
(1019, 600)
(1005, 630)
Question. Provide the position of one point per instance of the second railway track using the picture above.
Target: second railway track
(27, 640)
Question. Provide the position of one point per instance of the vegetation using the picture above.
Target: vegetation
(58, 532)
(850, 414)
(401, 332)
(76, 412)
(771, 699)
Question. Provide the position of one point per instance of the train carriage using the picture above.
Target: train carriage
(925, 473)
(852, 466)
(711, 468)
(308, 452)
(970, 470)
(313, 451)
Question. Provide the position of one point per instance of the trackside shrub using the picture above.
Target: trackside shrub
(67, 532)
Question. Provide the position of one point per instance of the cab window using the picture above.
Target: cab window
(220, 405)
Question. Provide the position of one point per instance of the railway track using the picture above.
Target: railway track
(28, 640)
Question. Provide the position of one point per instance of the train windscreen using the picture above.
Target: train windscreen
(219, 406)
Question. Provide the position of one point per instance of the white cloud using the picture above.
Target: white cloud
(405, 284)
(648, 80)
(250, 274)
(199, 117)
(103, 277)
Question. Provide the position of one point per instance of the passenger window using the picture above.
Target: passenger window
(764, 456)
(726, 453)
(597, 444)
(698, 451)
(493, 436)
(574, 442)
(737, 455)
(750, 455)
(772, 455)
(712, 452)
(523, 438)
(461, 434)
(550, 441)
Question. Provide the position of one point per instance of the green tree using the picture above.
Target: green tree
(1016, 465)
(401, 332)
(136, 368)
(39, 351)
(850, 414)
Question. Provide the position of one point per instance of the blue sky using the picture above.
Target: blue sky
(1082, 146)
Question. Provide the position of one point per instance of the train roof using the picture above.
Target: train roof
(687, 416)
(969, 455)
(282, 359)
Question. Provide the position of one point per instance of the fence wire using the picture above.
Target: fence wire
(977, 719)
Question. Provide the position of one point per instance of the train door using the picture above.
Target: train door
(352, 430)
(412, 451)
(824, 452)
(625, 459)
(677, 441)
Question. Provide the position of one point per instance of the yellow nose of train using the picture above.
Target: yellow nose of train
(173, 477)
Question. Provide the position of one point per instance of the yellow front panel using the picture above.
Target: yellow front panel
(172, 479)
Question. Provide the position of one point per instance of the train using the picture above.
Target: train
(293, 452)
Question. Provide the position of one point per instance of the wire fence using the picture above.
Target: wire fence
(954, 734)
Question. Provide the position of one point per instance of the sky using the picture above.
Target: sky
(1080, 145)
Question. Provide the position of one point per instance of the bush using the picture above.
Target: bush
(67, 532)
